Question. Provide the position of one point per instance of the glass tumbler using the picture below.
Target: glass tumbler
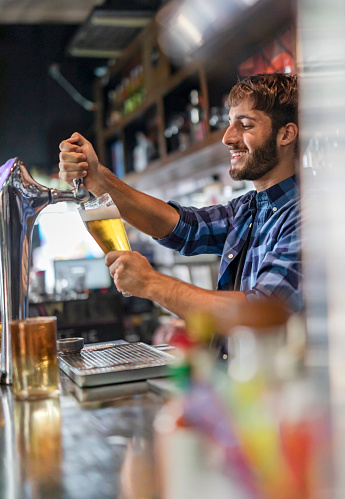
(34, 356)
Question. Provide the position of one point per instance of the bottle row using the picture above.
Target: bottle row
(184, 126)
(127, 96)
(190, 126)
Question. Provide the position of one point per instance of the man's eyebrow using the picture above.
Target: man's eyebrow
(243, 116)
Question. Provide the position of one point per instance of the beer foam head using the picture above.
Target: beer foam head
(100, 213)
(101, 208)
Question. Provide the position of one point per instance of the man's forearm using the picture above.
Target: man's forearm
(228, 309)
(133, 273)
(146, 213)
(185, 299)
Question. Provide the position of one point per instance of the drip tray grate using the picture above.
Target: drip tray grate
(109, 364)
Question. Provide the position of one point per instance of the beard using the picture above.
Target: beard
(261, 161)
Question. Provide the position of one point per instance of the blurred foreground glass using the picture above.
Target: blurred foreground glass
(34, 357)
(103, 220)
(39, 446)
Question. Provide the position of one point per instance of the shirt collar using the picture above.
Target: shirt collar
(282, 192)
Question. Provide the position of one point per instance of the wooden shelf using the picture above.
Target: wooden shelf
(213, 72)
(200, 159)
(160, 91)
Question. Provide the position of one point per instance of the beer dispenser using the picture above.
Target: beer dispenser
(21, 200)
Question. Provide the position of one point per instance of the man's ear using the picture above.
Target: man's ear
(287, 134)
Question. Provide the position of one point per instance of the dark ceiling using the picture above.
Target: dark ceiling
(52, 50)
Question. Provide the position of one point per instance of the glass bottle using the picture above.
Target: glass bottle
(196, 117)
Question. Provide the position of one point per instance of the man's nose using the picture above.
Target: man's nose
(231, 135)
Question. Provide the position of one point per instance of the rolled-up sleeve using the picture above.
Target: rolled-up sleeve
(199, 231)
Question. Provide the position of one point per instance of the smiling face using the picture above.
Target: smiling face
(251, 141)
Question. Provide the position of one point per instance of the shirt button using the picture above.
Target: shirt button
(275, 208)
(230, 255)
(250, 225)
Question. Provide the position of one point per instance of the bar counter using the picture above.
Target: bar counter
(65, 448)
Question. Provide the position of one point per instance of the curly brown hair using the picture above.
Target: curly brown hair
(276, 94)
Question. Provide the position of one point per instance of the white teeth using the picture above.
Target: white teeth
(237, 154)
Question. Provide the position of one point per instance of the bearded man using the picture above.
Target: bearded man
(257, 235)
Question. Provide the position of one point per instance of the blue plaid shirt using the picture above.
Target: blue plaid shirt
(273, 262)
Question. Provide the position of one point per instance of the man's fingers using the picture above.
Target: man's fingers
(67, 146)
(115, 268)
(68, 167)
(114, 260)
(76, 138)
(80, 168)
(72, 157)
(73, 143)
(111, 257)
(118, 267)
(72, 164)
(69, 176)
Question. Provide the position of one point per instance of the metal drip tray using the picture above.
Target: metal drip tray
(109, 364)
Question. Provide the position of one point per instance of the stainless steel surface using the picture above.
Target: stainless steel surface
(108, 392)
(70, 345)
(63, 449)
(21, 200)
(103, 365)
(82, 193)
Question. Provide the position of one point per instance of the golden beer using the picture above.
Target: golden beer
(34, 356)
(102, 219)
(106, 227)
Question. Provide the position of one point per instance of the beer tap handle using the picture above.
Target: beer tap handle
(81, 193)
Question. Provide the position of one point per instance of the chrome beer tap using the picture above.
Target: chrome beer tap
(21, 200)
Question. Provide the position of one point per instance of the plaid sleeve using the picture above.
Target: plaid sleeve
(280, 273)
(199, 231)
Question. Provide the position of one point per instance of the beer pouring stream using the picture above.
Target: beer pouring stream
(21, 200)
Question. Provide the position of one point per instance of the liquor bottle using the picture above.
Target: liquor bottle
(195, 113)
(115, 107)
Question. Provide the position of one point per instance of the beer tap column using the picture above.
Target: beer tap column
(21, 201)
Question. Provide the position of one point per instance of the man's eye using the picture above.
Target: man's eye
(244, 125)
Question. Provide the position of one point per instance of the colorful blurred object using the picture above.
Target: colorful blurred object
(266, 432)
(275, 56)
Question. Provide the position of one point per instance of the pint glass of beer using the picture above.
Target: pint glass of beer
(102, 219)
(34, 358)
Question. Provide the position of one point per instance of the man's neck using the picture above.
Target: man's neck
(278, 174)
